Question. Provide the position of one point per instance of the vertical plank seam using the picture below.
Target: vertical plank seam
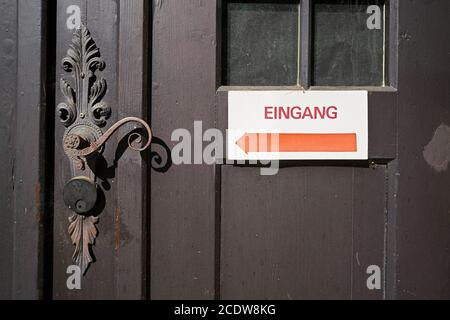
(14, 141)
(386, 228)
(48, 35)
(218, 231)
(353, 235)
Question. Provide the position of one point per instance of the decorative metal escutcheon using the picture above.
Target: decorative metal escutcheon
(84, 114)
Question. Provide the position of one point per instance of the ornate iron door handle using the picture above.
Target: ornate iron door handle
(84, 114)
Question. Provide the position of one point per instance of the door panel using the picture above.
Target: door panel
(119, 271)
(307, 233)
(8, 83)
(182, 197)
(23, 100)
(423, 216)
(225, 231)
(98, 281)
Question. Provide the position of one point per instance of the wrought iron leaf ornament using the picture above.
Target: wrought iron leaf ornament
(83, 233)
(83, 60)
(67, 111)
(84, 113)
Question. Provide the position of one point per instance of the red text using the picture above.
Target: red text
(300, 113)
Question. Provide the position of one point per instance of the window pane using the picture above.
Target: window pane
(260, 43)
(345, 51)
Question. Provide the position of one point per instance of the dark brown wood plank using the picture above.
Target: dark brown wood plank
(293, 236)
(369, 221)
(101, 18)
(119, 271)
(383, 107)
(8, 84)
(131, 211)
(288, 236)
(29, 166)
(423, 224)
(182, 205)
(63, 248)
(382, 125)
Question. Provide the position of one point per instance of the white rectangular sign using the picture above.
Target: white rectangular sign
(296, 125)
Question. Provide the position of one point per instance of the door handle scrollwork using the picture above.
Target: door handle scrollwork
(84, 114)
(76, 146)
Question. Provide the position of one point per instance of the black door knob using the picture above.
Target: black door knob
(80, 195)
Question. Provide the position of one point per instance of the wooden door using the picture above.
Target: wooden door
(224, 231)
(314, 229)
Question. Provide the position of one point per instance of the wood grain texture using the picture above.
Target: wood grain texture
(102, 18)
(182, 199)
(309, 232)
(8, 84)
(131, 214)
(370, 210)
(300, 234)
(119, 270)
(29, 166)
(382, 125)
(63, 248)
(288, 208)
(423, 221)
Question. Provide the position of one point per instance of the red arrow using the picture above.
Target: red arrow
(297, 142)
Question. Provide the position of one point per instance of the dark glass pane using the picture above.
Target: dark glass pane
(261, 43)
(346, 51)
